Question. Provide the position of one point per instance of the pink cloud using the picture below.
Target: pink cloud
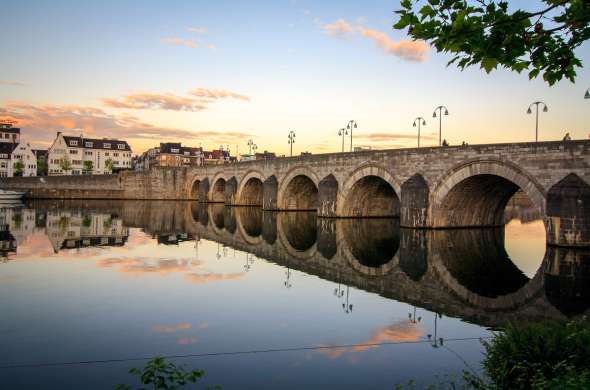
(339, 28)
(415, 51)
(155, 101)
(12, 83)
(180, 42)
(217, 94)
(172, 328)
(211, 277)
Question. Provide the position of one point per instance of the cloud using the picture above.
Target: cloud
(180, 42)
(172, 328)
(198, 30)
(187, 340)
(12, 83)
(415, 51)
(217, 94)
(140, 266)
(211, 46)
(339, 28)
(41, 122)
(211, 277)
(155, 101)
(397, 332)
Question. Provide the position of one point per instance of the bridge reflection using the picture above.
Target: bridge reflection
(465, 273)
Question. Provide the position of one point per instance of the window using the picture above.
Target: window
(73, 143)
(174, 150)
(187, 153)
(3, 174)
(73, 151)
(88, 144)
(107, 146)
(121, 146)
(3, 155)
(115, 154)
(107, 154)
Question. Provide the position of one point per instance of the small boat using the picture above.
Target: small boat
(11, 195)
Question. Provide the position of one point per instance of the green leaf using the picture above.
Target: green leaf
(489, 64)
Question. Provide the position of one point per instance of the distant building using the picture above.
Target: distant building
(42, 156)
(173, 154)
(9, 134)
(17, 160)
(266, 155)
(69, 155)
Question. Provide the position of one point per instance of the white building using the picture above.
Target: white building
(9, 134)
(74, 151)
(17, 160)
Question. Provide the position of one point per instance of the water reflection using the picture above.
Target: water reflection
(463, 273)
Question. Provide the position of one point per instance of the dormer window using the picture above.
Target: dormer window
(107, 146)
(174, 150)
(73, 143)
(88, 144)
(121, 146)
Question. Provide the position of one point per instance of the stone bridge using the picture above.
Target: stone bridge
(449, 187)
(462, 273)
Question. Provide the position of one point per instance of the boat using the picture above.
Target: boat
(7, 195)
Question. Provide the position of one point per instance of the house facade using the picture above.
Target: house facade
(70, 155)
(17, 159)
(9, 134)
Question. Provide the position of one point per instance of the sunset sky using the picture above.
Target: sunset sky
(219, 73)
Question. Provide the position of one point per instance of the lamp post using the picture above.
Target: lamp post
(287, 281)
(436, 342)
(347, 307)
(343, 132)
(440, 114)
(250, 143)
(587, 94)
(529, 111)
(420, 120)
(413, 319)
(350, 126)
(291, 140)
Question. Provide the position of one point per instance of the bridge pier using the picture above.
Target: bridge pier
(231, 187)
(568, 213)
(270, 190)
(414, 202)
(327, 194)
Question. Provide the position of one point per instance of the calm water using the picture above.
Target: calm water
(87, 281)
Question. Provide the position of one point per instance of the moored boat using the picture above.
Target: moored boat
(11, 195)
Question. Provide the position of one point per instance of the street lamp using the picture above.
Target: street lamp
(587, 94)
(287, 282)
(440, 114)
(529, 111)
(413, 319)
(436, 342)
(420, 120)
(343, 132)
(350, 126)
(291, 140)
(347, 307)
(250, 143)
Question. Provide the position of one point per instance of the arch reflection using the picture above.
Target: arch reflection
(300, 229)
(373, 242)
(250, 220)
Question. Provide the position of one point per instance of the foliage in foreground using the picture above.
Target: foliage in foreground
(489, 33)
(536, 356)
(159, 374)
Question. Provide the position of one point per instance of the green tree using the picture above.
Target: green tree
(108, 164)
(42, 167)
(488, 33)
(18, 168)
(65, 164)
(88, 166)
(160, 374)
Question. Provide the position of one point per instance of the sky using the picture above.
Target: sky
(221, 73)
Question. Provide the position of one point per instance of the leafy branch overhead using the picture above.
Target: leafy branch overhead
(488, 33)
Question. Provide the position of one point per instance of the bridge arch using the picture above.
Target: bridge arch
(250, 190)
(297, 233)
(217, 192)
(299, 190)
(371, 191)
(475, 194)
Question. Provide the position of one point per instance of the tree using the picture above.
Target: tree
(65, 163)
(487, 33)
(88, 167)
(108, 164)
(18, 168)
(42, 167)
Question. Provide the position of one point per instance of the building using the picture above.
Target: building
(70, 155)
(173, 154)
(41, 155)
(8, 133)
(17, 159)
(266, 155)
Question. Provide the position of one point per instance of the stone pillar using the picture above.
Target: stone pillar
(414, 202)
(204, 191)
(231, 186)
(269, 227)
(568, 213)
(327, 237)
(327, 194)
(270, 189)
(413, 257)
